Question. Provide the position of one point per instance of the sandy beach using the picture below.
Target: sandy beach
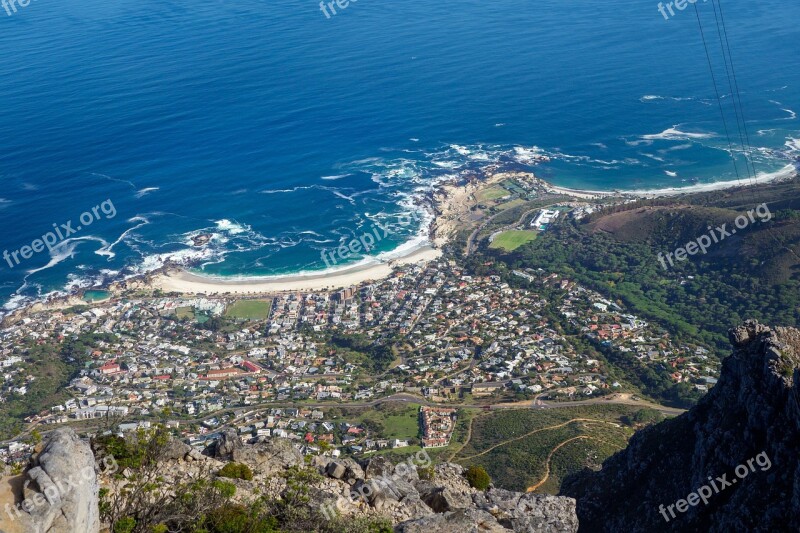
(185, 282)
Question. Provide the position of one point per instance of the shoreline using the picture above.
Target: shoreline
(449, 202)
(186, 282)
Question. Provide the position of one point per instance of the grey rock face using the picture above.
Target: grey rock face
(174, 450)
(227, 443)
(378, 467)
(529, 512)
(461, 521)
(753, 411)
(62, 487)
(269, 458)
(335, 470)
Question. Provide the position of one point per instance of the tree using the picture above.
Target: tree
(478, 478)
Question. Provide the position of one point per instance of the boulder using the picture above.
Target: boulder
(269, 458)
(529, 512)
(226, 444)
(378, 467)
(174, 450)
(335, 470)
(461, 521)
(61, 489)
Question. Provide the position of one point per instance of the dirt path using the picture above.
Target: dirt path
(466, 441)
(547, 462)
(533, 433)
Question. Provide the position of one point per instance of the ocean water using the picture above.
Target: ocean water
(282, 132)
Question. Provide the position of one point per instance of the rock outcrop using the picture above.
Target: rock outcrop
(746, 431)
(61, 488)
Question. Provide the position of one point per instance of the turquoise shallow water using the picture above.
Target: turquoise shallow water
(283, 133)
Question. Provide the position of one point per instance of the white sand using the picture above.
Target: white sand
(188, 283)
(762, 178)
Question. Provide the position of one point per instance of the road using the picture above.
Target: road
(404, 397)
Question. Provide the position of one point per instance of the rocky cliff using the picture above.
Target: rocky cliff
(731, 463)
(373, 487)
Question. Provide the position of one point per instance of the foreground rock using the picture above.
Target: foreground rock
(745, 430)
(61, 488)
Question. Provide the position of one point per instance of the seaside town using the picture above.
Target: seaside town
(208, 363)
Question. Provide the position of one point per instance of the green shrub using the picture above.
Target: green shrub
(478, 478)
(236, 471)
(235, 518)
(125, 525)
(426, 473)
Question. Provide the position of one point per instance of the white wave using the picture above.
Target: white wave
(414, 140)
(499, 124)
(764, 132)
(653, 97)
(792, 114)
(786, 172)
(335, 177)
(674, 134)
(109, 250)
(109, 178)
(463, 150)
(147, 190)
(293, 189)
(15, 301)
(66, 250)
(652, 156)
(671, 173)
(528, 156)
(4, 203)
(232, 228)
(452, 165)
(793, 144)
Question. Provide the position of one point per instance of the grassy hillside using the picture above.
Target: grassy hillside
(529, 448)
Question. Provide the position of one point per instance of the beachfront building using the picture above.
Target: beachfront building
(544, 219)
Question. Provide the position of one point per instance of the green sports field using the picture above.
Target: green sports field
(511, 240)
(249, 310)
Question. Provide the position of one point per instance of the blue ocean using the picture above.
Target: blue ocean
(279, 130)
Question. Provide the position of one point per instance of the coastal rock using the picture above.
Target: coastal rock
(202, 239)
